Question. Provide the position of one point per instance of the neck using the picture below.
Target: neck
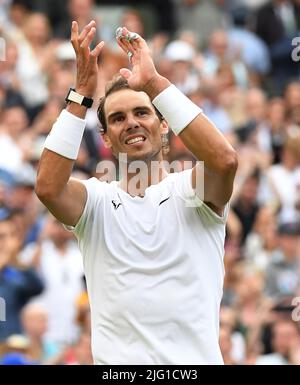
(138, 175)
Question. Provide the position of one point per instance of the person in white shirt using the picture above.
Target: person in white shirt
(60, 267)
(281, 186)
(152, 245)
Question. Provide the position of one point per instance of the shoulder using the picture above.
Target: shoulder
(97, 188)
(95, 183)
(181, 187)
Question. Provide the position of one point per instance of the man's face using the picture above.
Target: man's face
(8, 240)
(132, 125)
(285, 337)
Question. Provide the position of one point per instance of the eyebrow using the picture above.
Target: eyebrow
(136, 109)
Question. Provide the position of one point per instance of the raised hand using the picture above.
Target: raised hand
(143, 75)
(86, 59)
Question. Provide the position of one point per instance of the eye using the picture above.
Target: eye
(118, 119)
(141, 113)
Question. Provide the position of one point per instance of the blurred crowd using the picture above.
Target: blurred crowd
(238, 60)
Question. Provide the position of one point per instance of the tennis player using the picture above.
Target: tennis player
(153, 263)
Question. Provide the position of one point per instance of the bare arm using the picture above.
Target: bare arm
(200, 136)
(203, 139)
(65, 197)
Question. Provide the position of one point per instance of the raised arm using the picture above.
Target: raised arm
(65, 197)
(199, 135)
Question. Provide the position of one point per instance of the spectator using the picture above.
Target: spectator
(15, 351)
(261, 242)
(285, 344)
(282, 274)
(246, 205)
(17, 285)
(80, 10)
(12, 149)
(203, 17)
(292, 100)
(277, 23)
(36, 55)
(34, 318)
(80, 353)
(133, 21)
(60, 265)
(183, 74)
(226, 346)
(234, 343)
(276, 121)
(218, 54)
(254, 51)
(283, 179)
(213, 108)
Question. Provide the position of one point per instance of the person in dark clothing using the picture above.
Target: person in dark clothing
(277, 23)
(17, 284)
(246, 206)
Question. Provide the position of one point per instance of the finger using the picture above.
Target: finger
(74, 35)
(123, 40)
(130, 36)
(124, 45)
(134, 39)
(123, 32)
(96, 51)
(130, 55)
(126, 73)
(89, 38)
(86, 30)
(126, 50)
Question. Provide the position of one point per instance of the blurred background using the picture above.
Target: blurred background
(239, 61)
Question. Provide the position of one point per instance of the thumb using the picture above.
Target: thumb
(126, 73)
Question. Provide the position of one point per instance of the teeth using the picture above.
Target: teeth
(135, 140)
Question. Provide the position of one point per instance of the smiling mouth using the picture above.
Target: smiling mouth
(138, 139)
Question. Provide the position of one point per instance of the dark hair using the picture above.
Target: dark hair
(118, 83)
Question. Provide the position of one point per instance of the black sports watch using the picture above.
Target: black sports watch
(75, 97)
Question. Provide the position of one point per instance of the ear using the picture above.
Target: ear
(106, 140)
(164, 127)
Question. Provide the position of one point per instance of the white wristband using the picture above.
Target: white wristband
(176, 108)
(66, 135)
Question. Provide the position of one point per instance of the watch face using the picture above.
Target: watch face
(75, 97)
(68, 97)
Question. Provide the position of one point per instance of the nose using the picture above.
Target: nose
(131, 122)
